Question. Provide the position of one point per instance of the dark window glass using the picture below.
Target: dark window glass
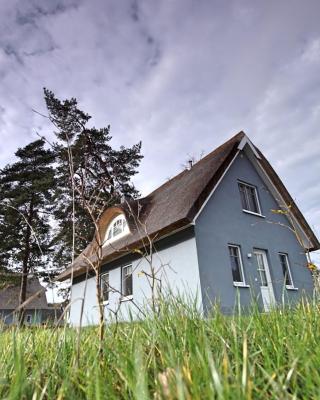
(253, 205)
(234, 253)
(105, 287)
(243, 196)
(249, 200)
(127, 281)
(285, 269)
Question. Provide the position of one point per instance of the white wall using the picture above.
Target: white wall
(178, 271)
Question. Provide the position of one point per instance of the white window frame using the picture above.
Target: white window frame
(243, 282)
(101, 287)
(259, 213)
(123, 296)
(290, 287)
(110, 229)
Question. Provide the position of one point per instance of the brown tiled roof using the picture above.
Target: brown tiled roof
(174, 204)
(9, 296)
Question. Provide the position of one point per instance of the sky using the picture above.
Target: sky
(182, 76)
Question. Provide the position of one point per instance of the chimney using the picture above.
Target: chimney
(190, 162)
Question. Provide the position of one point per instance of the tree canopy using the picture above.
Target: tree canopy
(26, 196)
(85, 160)
(42, 193)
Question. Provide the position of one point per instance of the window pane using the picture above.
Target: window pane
(249, 200)
(285, 269)
(105, 287)
(117, 228)
(243, 196)
(128, 291)
(109, 234)
(235, 264)
(262, 270)
(253, 205)
(127, 281)
(128, 270)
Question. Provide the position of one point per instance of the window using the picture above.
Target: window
(126, 286)
(117, 229)
(284, 261)
(28, 318)
(249, 198)
(104, 282)
(262, 269)
(236, 265)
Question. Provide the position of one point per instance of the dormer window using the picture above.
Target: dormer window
(117, 229)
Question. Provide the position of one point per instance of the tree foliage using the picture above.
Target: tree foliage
(87, 161)
(39, 206)
(26, 194)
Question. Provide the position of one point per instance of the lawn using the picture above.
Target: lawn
(176, 355)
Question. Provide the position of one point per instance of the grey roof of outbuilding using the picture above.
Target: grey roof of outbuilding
(174, 205)
(9, 296)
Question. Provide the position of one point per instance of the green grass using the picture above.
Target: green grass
(178, 355)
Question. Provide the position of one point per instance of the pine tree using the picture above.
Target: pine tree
(85, 159)
(26, 188)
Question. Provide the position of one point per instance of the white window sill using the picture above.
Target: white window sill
(253, 213)
(291, 287)
(126, 298)
(239, 284)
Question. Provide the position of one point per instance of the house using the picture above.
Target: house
(216, 234)
(36, 312)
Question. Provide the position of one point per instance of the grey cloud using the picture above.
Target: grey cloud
(134, 11)
(31, 11)
(180, 75)
(11, 52)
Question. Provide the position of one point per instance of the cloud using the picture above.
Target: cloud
(182, 76)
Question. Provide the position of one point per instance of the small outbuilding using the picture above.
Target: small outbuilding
(36, 312)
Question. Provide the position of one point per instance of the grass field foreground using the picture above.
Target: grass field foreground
(178, 355)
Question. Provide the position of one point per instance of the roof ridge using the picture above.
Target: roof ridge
(239, 135)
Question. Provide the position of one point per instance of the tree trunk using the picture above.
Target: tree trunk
(25, 267)
(101, 312)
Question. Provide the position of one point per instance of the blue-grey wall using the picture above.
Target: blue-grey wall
(222, 221)
(7, 316)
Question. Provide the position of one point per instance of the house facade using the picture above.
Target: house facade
(224, 231)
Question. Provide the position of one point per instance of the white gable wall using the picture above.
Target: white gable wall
(180, 273)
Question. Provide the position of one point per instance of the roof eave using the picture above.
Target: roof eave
(125, 250)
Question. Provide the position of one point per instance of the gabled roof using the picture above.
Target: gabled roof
(175, 204)
(9, 296)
